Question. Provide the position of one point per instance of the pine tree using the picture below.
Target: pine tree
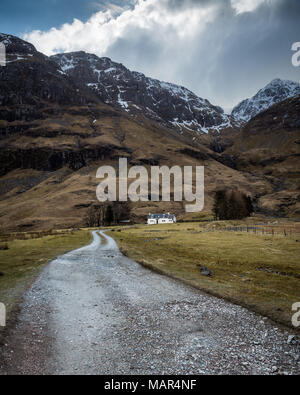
(249, 205)
(219, 207)
(232, 204)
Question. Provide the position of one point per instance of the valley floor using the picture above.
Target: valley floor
(253, 266)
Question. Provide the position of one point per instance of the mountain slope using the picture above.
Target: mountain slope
(169, 104)
(276, 91)
(269, 145)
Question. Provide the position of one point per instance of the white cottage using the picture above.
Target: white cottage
(154, 219)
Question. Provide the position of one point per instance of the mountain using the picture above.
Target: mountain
(41, 81)
(269, 146)
(169, 104)
(56, 130)
(275, 92)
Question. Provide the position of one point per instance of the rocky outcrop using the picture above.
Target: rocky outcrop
(47, 159)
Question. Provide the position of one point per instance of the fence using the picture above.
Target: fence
(264, 230)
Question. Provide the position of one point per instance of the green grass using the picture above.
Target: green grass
(24, 259)
(261, 272)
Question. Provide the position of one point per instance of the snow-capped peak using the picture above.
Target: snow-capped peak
(170, 104)
(275, 92)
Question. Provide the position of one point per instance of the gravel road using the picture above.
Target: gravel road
(94, 311)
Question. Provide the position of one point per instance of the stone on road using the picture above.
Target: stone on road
(94, 311)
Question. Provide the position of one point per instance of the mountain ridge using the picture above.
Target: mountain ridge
(170, 104)
(55, 132)
(274, 92)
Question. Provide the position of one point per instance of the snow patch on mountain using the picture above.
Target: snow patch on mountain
(275, 92)
(170, 104)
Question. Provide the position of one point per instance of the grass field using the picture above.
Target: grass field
(23, 255)
(261, 272)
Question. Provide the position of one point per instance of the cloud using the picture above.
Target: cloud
(223, 50)
(104, 28)
(246, 5)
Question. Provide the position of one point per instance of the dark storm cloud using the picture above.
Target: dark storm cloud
(256, 49)
(231, 60)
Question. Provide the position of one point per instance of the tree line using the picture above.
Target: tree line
(232, 204)
(228, 205)
(107, 214)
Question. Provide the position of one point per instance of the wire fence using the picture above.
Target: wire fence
(263, 230)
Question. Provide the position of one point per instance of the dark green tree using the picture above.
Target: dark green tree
(232, 204)
(220, 205)
(249, 205)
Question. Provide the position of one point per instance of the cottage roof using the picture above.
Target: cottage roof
(159, 216)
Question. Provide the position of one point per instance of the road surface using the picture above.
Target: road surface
(94, 311)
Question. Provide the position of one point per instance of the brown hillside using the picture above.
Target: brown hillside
(269, 145)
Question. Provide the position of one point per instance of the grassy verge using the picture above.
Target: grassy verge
(261, 272)
(22, 258)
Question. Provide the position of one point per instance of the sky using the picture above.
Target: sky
(223, 50)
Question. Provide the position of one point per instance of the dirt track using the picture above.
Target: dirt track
(94, 311)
